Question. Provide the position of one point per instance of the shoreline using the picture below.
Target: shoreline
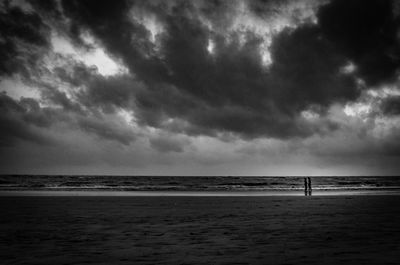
(109, 193)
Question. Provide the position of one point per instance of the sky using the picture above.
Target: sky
(219, 87)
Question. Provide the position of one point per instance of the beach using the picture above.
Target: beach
(200, 229)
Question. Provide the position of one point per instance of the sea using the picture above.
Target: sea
(194, 183)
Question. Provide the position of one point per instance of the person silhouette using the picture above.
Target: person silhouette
(307, 186)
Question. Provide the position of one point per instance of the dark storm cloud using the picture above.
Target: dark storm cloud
(76, 74)
(110, 93)
(175, 83)
(88, 119)
(228, 91)
(170, 88)
(19, 120)
(46, 6)
(367, 32)
(110, 22)
(391, 105)
(27, 120)
(23, 36)
(306, 70)
(106, 129)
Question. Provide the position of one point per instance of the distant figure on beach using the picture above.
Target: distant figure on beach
(307, 186)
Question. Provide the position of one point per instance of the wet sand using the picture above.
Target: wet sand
(200, 230)
(267, 193)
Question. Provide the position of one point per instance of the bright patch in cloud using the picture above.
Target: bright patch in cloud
(150, 22)
(126, 116)
(348, 68)
(357, 109)
(309, 115)
(210, 46)
(384, 92)
(95, 57)
(16, 89)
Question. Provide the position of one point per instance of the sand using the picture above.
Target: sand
(200, 230)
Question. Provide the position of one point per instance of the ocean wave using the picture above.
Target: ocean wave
(176, 183)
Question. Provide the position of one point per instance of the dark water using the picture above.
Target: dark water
(200, 183)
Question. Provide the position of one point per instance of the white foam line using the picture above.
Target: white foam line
(191, 193)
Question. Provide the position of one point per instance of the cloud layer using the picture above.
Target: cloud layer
(247, 71)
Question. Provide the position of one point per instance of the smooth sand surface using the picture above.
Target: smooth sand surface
(200, 230)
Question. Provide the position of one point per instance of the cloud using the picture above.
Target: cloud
(107, 128)
(391, 105)
(19, 121)
(280, 79)
(306, 71)
(110, 93)
(27, 120)
(229, 90)
(366, 32)
(176, 83)
(24, 39)
(168, 143)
